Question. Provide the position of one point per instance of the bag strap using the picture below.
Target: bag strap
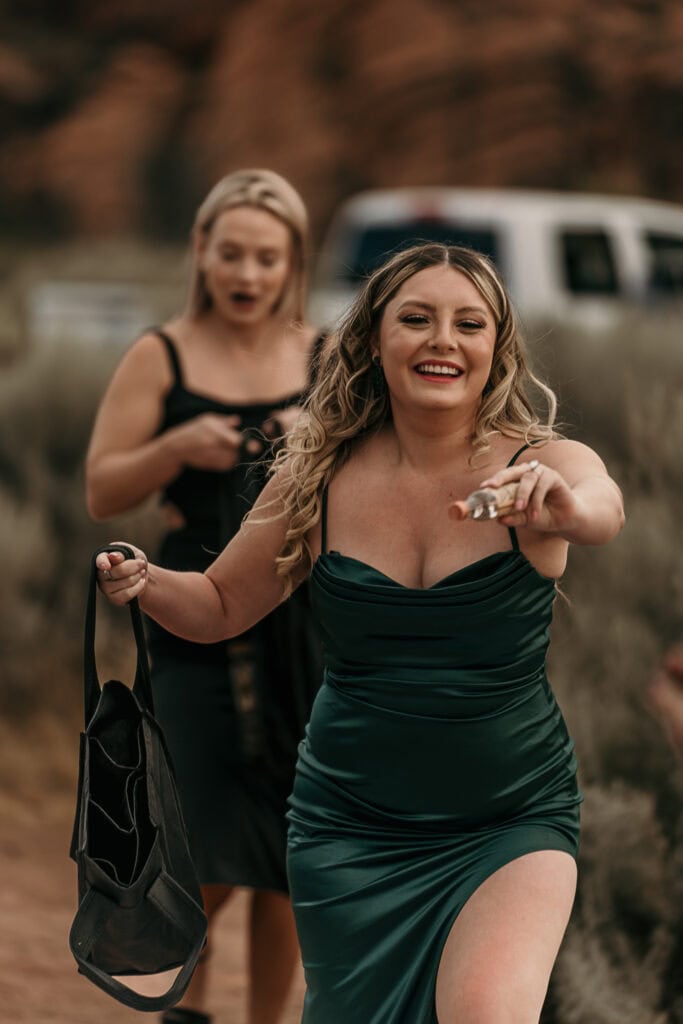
(142, 686)
(174, 903)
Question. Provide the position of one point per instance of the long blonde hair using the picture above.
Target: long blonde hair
(262, 190)
(345, 403)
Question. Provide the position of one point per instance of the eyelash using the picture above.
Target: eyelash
(417, 319)
(266, 261)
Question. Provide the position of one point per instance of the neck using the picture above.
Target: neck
(427, 442)
(252, 338)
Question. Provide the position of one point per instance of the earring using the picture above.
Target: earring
(379, 381)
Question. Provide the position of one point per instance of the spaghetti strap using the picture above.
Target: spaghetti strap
(511, 530)
(323, 521)
(172, 354)
(522, 449)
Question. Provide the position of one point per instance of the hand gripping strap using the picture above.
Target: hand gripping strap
(175, 905)
(142, 686)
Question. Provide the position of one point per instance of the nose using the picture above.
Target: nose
(247, 269)
(443, 338)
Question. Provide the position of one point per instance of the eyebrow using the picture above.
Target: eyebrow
(429, 306)
(227, 243)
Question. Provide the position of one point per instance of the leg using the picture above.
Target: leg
(497, 960)
(214, 897)
(273, 956)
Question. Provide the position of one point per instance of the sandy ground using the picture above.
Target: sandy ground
(39, 982)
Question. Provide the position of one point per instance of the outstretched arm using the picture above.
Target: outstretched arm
(235, 592)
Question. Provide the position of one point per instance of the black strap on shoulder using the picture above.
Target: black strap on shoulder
(172, 354)
(323, 521)
(519, 451)
(511, 530)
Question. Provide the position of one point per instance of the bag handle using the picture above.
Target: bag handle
(175, 905)
(142, 686)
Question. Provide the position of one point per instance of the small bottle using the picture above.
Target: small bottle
(487, 503)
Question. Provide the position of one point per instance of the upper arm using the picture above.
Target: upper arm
(572, 459)
(586, 474)
(131, 410)
(245, 572)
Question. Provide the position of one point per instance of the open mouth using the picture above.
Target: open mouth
(441, 371)
(243, 298)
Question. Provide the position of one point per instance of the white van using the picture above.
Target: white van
(562, 255)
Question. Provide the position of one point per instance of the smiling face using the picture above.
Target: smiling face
(436, 342)
(245, 260)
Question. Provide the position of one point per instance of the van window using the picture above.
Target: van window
(377, 243)
(666, 266)
(587, 262)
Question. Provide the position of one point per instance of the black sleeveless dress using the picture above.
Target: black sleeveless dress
(435, 754)
(233, 713)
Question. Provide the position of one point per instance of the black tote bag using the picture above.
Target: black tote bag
(140, 905)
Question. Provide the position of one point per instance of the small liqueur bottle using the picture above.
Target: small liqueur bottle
(487, 503)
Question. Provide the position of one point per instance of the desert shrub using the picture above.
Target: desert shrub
(47, 405)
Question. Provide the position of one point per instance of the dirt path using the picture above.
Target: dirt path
(39, 983)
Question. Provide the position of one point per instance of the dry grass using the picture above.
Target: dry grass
(623, 393)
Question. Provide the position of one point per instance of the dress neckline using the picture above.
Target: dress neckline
(510, 553)
(293, 398)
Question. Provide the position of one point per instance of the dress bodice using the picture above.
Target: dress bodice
(479, 630)
(215, 502)
(455, 671)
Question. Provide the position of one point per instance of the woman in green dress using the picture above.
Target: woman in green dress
(434, 817)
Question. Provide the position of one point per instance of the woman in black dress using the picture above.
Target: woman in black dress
(193, 412)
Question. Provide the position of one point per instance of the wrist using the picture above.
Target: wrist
(173, 449)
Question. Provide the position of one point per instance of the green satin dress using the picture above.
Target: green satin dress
(435, 754)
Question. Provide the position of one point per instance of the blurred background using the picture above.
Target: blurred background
(115, 120)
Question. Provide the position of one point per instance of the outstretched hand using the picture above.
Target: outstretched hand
(544, 500)
(119, 578)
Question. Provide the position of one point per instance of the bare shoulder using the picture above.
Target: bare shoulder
(146, 362)
(569, 457)
(144, 369)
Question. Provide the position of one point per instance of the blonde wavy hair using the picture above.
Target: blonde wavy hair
(346, 404)
(261, 190)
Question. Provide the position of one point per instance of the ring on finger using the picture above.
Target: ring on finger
(107, 574)
(536, 466)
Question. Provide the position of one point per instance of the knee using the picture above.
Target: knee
(486, 999)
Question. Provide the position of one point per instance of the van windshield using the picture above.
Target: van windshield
(375, 244)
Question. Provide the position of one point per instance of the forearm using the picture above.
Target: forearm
(185, 603)
(599, 514)
(119, 481)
